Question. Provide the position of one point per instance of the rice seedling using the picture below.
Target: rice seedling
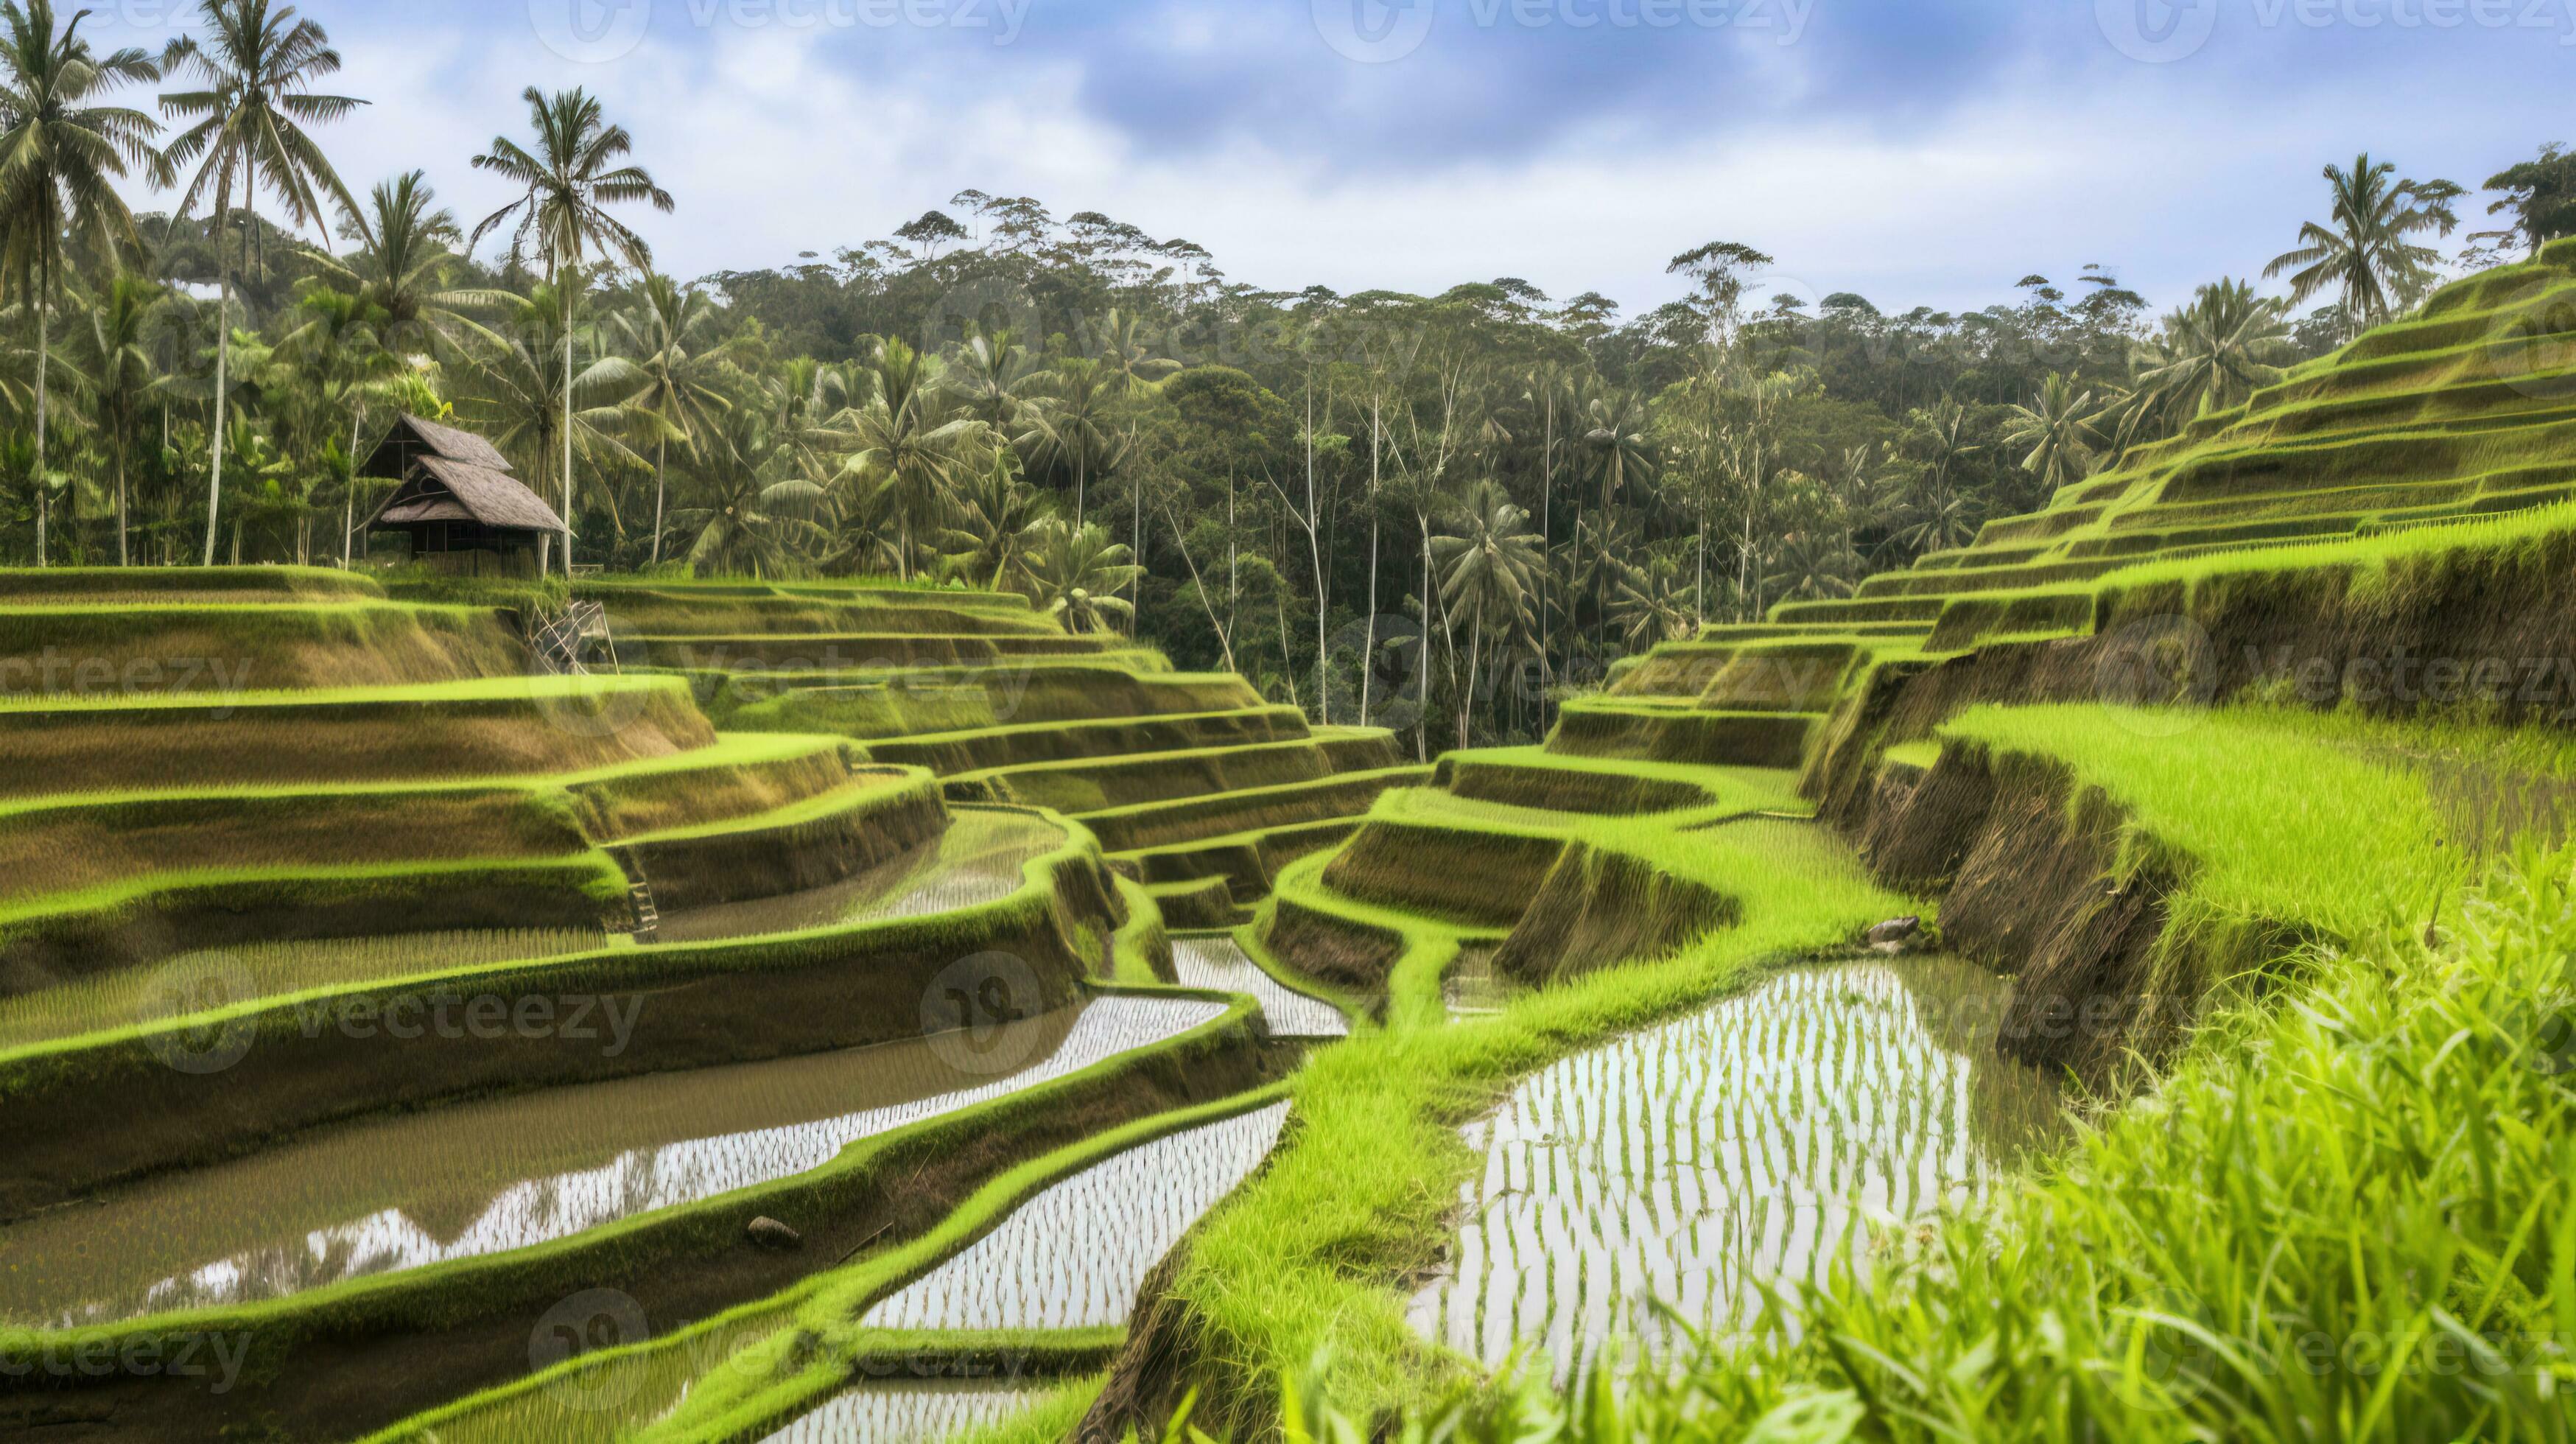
(409, 1190)
(1075, 1255)
(1222, 964)
(1680, 1172)
(911, 1413)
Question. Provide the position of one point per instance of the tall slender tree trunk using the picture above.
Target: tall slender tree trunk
(567, 282)
(223, 364)
(44, 364)
(349, 493)
(1475, 660)
(661, 461)
(1315, 552)
(1422, 729)
(1368, 648)
(1546, 549)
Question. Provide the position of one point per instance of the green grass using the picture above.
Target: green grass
(1095, 784)
(2346, 1214)
(2278, 820)
(1306, 1258)
(1162, 825)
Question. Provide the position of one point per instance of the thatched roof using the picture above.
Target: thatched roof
(413, 438)
(441, 489)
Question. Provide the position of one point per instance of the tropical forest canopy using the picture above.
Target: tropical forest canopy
(1277, 482)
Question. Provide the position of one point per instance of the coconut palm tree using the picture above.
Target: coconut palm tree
(1072, 431)
(405, 246)
(1616, 451)
(1118, 343)
(568, 183)
(1653, 605)
(1488, 563)
(118, 373)
(758, 514)
(2366, 250)
(259, 64)
(526, 392)
(998, 381)
(670, 334)
(910, 443)
(1811, 562)
(2058, 429)
(61, 156)
(1076, 573)
(993, 525)
(339, 350)
(2212, 355)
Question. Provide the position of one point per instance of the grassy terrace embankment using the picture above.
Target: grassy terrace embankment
(255, 816)
(2172, 752)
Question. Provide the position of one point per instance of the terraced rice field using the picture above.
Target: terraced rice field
(1222, 965)
(196, 981)
(980, 858)
(1693, 1165)
(1074, 1256)
(923, 1413)
(409, 1190)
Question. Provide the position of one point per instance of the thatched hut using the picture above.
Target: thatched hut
(458, 503)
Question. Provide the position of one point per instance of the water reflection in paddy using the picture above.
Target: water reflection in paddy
(400, 1192)
(1074, 1256)
(1222, 965)
(1690, 1163)
(904, 1414)
(977, 859)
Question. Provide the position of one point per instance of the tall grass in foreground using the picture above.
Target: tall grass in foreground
(2348, 1214)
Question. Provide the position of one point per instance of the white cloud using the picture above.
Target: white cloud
(776, 143)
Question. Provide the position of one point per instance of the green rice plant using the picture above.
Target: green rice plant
(1095, 784)
(1197, 819)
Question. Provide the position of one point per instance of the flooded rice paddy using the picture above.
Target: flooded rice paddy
(1221, 964)
(923, 1413)
(1074, 1256)
(405, 1191)
(1692, 1163)
(1469, 987)
(978, 859)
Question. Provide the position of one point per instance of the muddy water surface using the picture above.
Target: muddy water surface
(1221, 963)
(401, 1192)
(1074, 1256)
(1692, 1163)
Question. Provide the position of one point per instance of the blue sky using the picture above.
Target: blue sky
(1914, 152)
